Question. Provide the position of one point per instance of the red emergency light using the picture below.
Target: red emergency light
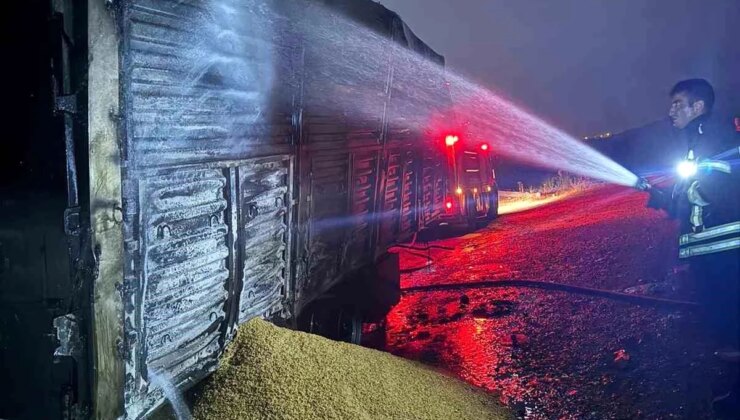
(450, 140)
(484, 147)
(448, 204)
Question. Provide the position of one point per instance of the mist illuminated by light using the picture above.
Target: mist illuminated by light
(485, 116)
(377, 86)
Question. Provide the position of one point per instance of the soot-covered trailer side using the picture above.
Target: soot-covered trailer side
(245, 158)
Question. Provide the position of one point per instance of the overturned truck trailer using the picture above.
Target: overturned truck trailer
(219, 160)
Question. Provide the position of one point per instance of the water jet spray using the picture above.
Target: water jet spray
(509, 129)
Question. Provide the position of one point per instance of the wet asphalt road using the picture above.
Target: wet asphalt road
(561, 355)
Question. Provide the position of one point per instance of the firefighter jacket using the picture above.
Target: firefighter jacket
(707, 199)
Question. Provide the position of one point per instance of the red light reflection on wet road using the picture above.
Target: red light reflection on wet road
(550, 353)
(470, 337)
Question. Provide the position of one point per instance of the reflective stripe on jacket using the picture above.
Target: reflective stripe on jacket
(710, 240)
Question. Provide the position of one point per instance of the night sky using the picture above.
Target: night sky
(587, 66)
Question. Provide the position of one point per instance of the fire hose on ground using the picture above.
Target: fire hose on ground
(545, 285)
(537, 284)
(686, 168)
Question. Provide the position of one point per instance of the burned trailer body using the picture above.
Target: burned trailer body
(226, 160)
(364, 150)
(256, 162)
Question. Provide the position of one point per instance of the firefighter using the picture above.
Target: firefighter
(706, 200)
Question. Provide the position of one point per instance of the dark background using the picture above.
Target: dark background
(587, 66)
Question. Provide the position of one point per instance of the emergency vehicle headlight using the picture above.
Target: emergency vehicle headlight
(686, 169)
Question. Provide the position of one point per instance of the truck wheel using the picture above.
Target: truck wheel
(471, 212)
(492, 204)
(333, 321)
(349, 325)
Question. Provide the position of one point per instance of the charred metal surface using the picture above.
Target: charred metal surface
(360, 167)
(327, 223)
(342, 219)
(365, 181)
(251, 184)
(415, 174)
(391, 204)
(210, 103)
(432, 189)
(65, 102)
(174, 316)
(408, 222)
(265, 235)
(184, 268)
(206, 80)
(399, 211)
(68, 335)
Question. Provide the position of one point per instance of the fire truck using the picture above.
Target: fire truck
(472, 192)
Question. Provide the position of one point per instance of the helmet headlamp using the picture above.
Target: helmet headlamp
(686, 169)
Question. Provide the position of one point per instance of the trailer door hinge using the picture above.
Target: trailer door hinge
(72, 221)
(68, 337)
(65, 103)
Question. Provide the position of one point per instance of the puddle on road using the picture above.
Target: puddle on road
(474, 334)
(552, 355)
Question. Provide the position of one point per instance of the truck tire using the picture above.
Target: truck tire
(471, 212)
(329, 319)
(492, 204)
(349, 325)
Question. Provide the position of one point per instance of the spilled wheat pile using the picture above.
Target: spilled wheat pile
(275, 373)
